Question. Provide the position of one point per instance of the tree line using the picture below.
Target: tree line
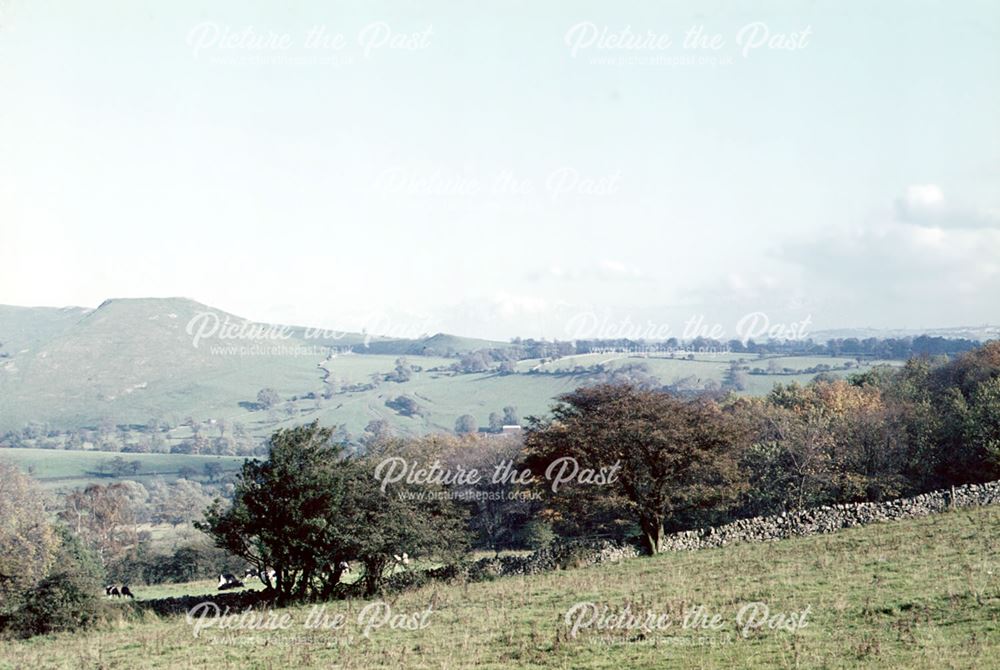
(312, 506)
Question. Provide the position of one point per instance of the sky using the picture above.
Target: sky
(499, 169)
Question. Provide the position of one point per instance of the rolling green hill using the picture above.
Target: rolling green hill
(920, 593)
(24, 328)
(131, 361)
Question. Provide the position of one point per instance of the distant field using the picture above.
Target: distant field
(58, 468)
(131, 362)
(920, 593)
(441, 394)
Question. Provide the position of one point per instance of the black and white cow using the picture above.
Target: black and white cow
(251, 573)
(228, 581)
(115, 591)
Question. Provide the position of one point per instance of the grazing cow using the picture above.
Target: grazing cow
(127, 593)
(112, 591)
(345, 567)
(229, 581)
(259, 574)
(402, 560)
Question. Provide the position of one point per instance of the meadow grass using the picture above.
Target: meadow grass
(60, 468)
(920, 593)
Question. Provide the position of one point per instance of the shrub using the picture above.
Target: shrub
(63, 601)
(67, 598)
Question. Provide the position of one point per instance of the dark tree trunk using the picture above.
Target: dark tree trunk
(652, 533)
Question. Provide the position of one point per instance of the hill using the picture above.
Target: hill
(921, 593)
(132, 361)
(24, 328)
(435, 345)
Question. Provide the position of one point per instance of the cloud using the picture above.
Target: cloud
(603, 270)
(926, 205)
(930, 260)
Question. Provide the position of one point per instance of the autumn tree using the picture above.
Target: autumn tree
(27, 540)
(103, 517)
(48, 580)
(675, 458)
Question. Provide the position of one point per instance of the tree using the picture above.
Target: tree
(466, 424)
(376, 432)
(387, 522)
(403, 371)
(308, 508)
(496, 422)
(405, 405)
(119, 467)
(103, 518)
(179, 503)
(213, 470)
(281, 513)
(476, 361)
(66, 599)
(27, 540)
(674, 459)
(510, 416)
(497, 511)
(267, 398)
(735, 377)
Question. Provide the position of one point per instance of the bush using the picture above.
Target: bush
(63, 601)
(538, 535)
(67, 598)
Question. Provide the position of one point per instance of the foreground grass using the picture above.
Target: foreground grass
(922, 593)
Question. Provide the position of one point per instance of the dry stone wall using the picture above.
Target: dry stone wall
(830, 518)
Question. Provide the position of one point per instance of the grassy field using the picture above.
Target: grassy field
(132, 361)
(56, 468)
(921, 593)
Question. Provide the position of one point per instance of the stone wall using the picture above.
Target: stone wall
(826, 519)
(830, 518)
(580, 553)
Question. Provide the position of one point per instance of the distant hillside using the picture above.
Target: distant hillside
(133, 360)
(436, 345)
(980, 333)
(26, 327)
(129, 358)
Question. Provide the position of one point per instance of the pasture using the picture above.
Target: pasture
(56, 468)
(920, 593)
